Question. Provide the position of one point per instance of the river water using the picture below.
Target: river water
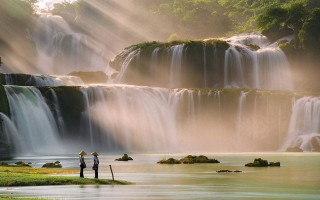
(297, 178)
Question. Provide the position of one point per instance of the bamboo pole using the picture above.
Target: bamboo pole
(111, 172)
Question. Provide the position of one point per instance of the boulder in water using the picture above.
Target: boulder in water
(56, 164)
(125, 157)
(190, 159)
(258, 162)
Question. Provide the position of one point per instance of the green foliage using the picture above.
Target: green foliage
(310, 32)
(272, 23)
(293, 18)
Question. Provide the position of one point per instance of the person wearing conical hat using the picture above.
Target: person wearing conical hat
(95, 166)
(82, 162)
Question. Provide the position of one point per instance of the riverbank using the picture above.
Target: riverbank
(26, 176)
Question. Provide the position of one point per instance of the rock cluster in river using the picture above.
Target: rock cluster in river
(190, 159)
(258, 162)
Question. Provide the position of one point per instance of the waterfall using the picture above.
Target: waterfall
(33, 119)
(57, 114)
(11, 135)
(125, 63)
(136, 118)
(304, 128)
(252, 62)
(60, 50)
(176, 53)
(154, 59)
(243, 61)
(240, 116)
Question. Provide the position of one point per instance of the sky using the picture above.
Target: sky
(43, 4)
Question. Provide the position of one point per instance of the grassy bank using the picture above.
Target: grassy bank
(17, 198)
(25, 176)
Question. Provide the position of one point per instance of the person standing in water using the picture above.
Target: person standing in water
(95, 166)
(82, 162)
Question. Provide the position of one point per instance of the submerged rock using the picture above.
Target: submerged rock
(228, 171)
(258, 162)
(56, 164)
(125, 157)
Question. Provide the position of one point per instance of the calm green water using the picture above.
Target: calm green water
(297, 178)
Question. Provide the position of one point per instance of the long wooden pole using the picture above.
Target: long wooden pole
(111, 172)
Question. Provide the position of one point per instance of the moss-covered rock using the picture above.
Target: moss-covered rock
(151, 62)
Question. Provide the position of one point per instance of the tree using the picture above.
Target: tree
(272, 23)
(310, 33)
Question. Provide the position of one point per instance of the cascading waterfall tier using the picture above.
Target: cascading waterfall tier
(139, 119)
(34, 122)
(244, 61)
(61, 50)
(304, 128)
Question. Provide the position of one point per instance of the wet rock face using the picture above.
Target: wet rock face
(4, 152)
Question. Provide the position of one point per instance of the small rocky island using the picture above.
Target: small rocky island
(258, 162)
(125, 157)
(190, 159)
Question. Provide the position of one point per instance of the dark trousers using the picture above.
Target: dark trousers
(96, 173)
(81, 171)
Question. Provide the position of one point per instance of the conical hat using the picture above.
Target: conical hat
(82, 153)
(94, 153)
